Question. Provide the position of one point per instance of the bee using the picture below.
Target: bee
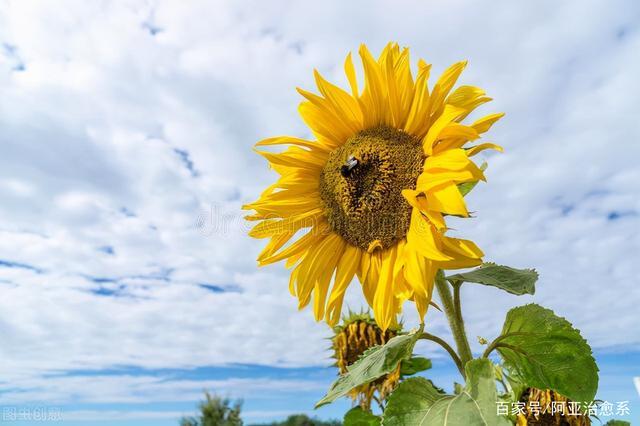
(347, 167)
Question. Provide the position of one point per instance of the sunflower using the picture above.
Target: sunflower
(539, 410)
(356, 334)
(368, 195)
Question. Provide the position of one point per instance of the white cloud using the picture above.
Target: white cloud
(104, 125)
(128, 389)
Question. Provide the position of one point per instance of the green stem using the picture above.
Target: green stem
(449, 349)
(496, 342)
(456, 300)
(451, 309)
(513, 348)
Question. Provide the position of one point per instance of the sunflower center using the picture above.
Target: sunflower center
(361, 186)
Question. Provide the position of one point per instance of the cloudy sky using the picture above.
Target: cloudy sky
(127, 282)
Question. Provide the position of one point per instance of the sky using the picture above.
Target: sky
(128, 284)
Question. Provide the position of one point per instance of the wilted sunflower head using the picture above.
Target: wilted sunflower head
(549, 408)
(356, 334)
(371, 190)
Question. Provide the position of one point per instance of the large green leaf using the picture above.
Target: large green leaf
(374, 363)
(514, 281)
(544, 351)
(416, 402)
(359, 417)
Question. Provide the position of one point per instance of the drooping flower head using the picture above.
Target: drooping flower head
(368, 196)
(357, 333)
(548, 407)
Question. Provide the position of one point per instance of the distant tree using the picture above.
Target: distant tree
(215, 411)
(304, 420)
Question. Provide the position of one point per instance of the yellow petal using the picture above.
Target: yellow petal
(302, 284)
(350, 71)
(293, 279)
(344, 105)
(405, 85)
(457, 130)
(468, 98)
(463, 96)
(484, 124)
(393, 92)
(447, 199)
(419, 272)
(445, 84)
(268, 228)
(418, 117)
(383, 302)
(347, 266)
(450, 160)
(375, 94)
(463, 247)
(479, 148)
(450, 76)
(418, 201)
(436, 218)
(428, 181)
(321, 288)
(312, 265)
(289, 140)
(296, 158)
(458, 263)
(287, 207)
(324, 125)
(449, 114)
(368, 274)
(399, 82)
(277, 241)
(309, 239)
(425, 238)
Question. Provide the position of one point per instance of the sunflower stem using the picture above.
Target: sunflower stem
(454, 315)
(447, 347)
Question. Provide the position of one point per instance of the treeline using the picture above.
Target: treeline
(302, 420)
(217, 411)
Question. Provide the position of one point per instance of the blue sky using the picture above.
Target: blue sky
(127, 282)
(265, 397)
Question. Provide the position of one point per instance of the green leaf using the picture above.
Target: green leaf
(414, 365)
(544, 351)
(617, 423)
(511, 280)
(466, 187)
(374, 363)
(417, 403)
(359, 417)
